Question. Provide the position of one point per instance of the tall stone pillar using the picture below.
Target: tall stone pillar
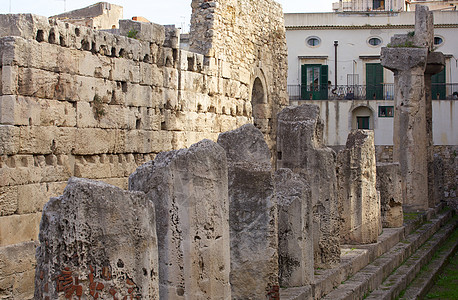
(295, 229)
(189, 190)
(97, 242)
(252, 214)
(408, 57)
(410, 138)
(301, 149)
(358, 196)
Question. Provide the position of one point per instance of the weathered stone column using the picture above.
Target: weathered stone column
(97, 241)
(389, 185)
(410, 138)
(295, 229)
(252, 213)
(300, 148)
(358, 197)
(189, 190)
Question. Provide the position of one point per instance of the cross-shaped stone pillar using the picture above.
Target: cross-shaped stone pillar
(411, 58)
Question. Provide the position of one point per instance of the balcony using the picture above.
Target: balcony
(445, 91)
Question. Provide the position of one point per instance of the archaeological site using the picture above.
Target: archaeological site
(138, 162)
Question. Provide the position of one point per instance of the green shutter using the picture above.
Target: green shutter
(438, 85)
(324, 82)
(374, 81)
(304, 82)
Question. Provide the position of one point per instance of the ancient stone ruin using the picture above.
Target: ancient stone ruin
(81, 102)
(228, 193)
(97, 241)
(189, 190)
(358, 198)
(413, 63)
(252, 213)
(300, 148)
(389, 185)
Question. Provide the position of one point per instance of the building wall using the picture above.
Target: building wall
(352, 31)
(79, 102)
(339, 118)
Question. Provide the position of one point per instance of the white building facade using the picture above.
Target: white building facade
(334, 62)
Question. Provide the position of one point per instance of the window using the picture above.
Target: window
(378, 4)
(363, 122)
(386, 111)
(374, 41)
(313, 41)
(438, 40)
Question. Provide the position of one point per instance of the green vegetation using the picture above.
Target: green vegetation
(411, 33)
(411, 216)
(446, 287)
(407, 44)
(132, 34)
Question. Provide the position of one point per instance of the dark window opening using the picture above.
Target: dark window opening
(378, 4)
(386, 111)
(438, 40)
(362, 122)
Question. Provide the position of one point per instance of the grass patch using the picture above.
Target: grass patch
(409, 216)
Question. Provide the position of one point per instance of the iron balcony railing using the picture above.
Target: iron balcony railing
(440, 91)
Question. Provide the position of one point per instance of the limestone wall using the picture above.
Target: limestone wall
(248, 39)
(85, 103)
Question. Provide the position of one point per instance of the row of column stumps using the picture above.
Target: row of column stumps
(219, 223)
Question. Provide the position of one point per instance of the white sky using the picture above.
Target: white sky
(157, 11)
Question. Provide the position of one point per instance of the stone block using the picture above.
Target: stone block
(37, 83)
(25, 169)
(125, 70)
(149, 32)
(172, 37)
(103, 141)
(139, 95)
(300, 148)
(404, 59)
(9, 80)
(424, 27)
(16, 229)
(7, 110)
(23, 25)
(226, 70)
(8, 200)
(252, 213)
(295, 232)
(357, 193)
(171, 78)
(47, 139)
(32, 197)
(389, 184)
(17, 269)
(102, 239)
(189, 189)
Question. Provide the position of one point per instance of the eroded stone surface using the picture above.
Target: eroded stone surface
(97, 240)
(301, 149)
(189, 190)
(253, 213)
(295, 222)
(358, 197)
(389, 185)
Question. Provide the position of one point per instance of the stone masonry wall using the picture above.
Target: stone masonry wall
(247, 38)
(86, 103)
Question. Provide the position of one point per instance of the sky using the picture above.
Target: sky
(176, 12)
